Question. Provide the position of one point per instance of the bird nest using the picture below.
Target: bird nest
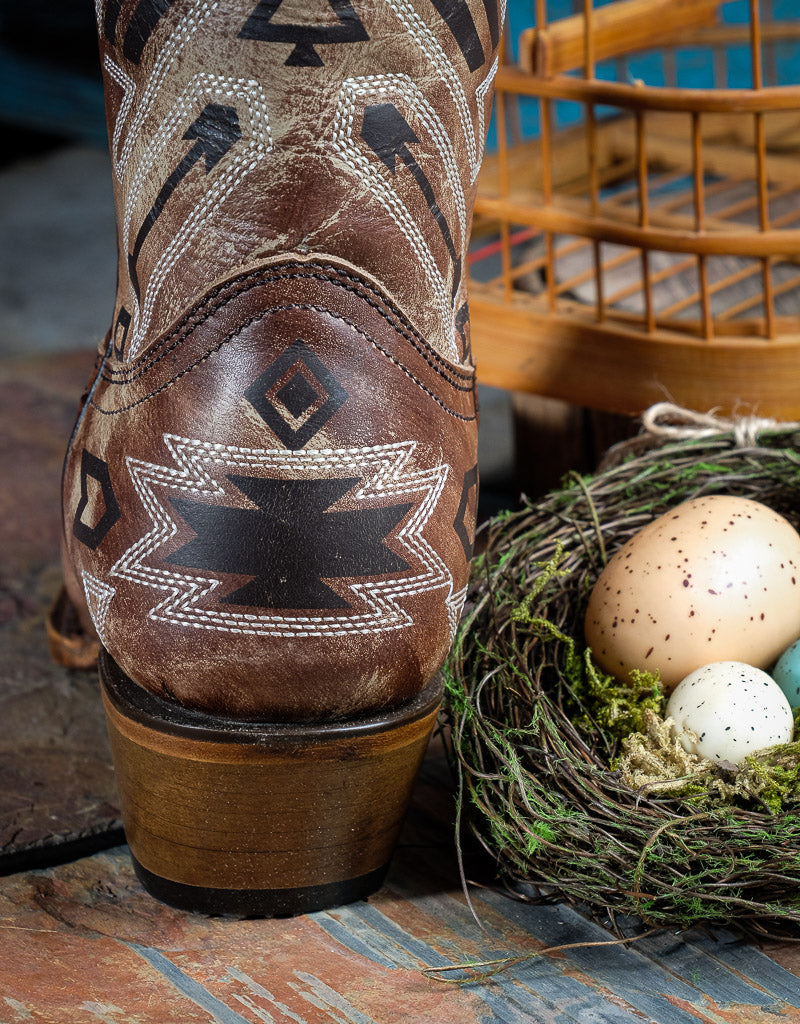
(542, 740)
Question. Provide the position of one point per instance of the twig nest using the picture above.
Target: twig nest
(575, 781)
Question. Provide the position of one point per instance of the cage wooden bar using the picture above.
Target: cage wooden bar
(637, 234)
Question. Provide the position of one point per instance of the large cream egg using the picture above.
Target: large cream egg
(715, 579)
(727, 710)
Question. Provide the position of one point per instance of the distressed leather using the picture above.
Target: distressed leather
(269, 495)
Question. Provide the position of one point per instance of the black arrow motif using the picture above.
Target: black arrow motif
(493, 17)
(110, 19)
(145, 18)
(215, 132)
(461, 325)
(142, 25)
(290, 542)
(389, 135)
(458, 18)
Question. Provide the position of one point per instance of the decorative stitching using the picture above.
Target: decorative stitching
(98, 599)
(348, 149)
(480, 99)
(194, 318)
(279, 309)
(241, 164)
(384, 470)
(422, 109)
(170, 52)
(434, 52)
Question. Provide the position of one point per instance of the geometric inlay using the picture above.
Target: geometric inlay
(289, 554)
(296, 395)
(94, 468)
(465, 534)
(346, 27)
(353, 519)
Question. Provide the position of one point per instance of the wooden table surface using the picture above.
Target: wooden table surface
(81, 941)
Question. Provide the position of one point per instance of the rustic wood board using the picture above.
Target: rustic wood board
(83, 942)
(57, 792)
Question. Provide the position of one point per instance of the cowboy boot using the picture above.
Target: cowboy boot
(269, 494)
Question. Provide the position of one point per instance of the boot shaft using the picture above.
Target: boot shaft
(244, 129)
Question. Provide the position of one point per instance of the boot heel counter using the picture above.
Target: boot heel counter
(280, 520)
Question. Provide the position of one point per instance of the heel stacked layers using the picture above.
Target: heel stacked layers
(239, 817)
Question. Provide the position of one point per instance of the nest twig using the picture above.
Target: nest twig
(534, 765)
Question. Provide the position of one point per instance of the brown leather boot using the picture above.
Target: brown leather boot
(269, 495)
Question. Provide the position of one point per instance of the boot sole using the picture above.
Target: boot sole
(254, 818)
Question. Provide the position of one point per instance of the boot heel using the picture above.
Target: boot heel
(239, 817)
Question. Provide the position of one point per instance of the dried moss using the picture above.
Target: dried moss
(653, 762)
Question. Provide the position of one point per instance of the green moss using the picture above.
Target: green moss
(538, 831)
(620, 707)
(775, 775)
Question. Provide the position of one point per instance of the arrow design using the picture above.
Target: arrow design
(348, 29)
(493, 16)
(461, 322)
(145, 18)
(143, 23)
(456, 15)
(215, 132)
(389, 135)
(110, 19)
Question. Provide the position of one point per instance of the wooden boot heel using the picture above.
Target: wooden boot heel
(252, 818)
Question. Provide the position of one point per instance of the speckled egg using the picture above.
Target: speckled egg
(786, 674)
(733, 709)
(715, 579)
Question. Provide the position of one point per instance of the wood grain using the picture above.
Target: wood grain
(273, 807)
(57, 791)
(363, 964)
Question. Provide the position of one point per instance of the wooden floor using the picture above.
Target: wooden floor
(82, 942)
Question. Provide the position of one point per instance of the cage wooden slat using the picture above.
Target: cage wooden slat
(641, 96)
(616, 29)
(663, 220)
(784, 288)
(761, 163)
(713, 288)
(735, 242)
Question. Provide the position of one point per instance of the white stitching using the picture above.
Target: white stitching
(98, 600)
(434, 52)
(384, 471)
(348, 149)
(257, 146)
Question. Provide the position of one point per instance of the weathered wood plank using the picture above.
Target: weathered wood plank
(57, 791)
(360, 964)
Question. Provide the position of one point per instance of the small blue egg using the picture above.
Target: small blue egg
(787, 674)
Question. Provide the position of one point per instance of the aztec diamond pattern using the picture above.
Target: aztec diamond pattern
(296, 395)
(94, 468)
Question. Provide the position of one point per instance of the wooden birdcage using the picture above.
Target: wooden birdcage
(637, 228)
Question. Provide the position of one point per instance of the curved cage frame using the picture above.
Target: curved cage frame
(650, 249)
